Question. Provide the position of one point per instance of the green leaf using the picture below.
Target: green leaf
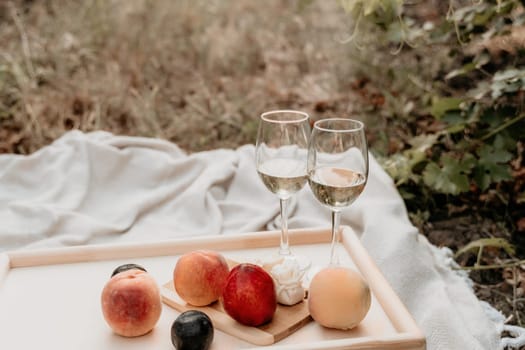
(451, 177)
(481, 60)
(399, 167)
(388, 8)
(351, 5)
(453, 129)
(492, 118)
(455, 121)
(492, 165)
(395, 32)
(504, 143)
(460, 71)
(507, 81)
(482, 89)
(508, 75)
(443, 105)
(370, 6)
(482, 18)
(423, 142)
(494, 154)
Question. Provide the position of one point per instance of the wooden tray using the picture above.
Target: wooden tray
(286, 320)
(51, 298)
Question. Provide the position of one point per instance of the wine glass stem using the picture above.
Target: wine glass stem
(334, 259)
(284, 248)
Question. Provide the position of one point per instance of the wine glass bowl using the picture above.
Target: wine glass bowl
(281, 155)
(337, 167)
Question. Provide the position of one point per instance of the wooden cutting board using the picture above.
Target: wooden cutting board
(286, 320)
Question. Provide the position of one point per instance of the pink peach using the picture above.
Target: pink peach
(199, 276)
(338, 298)
(131, 303)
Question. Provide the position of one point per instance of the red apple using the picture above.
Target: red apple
(249, 295)
(131, 303)
(200, 276)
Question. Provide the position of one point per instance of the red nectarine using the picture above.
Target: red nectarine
(249, 295)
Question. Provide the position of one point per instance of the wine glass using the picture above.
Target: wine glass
(337, 167)
(280, 155)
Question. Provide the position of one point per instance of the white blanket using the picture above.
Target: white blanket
(96, 188)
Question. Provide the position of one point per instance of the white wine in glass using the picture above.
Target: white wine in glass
(280, 154)
(284, 177)
(337, 167)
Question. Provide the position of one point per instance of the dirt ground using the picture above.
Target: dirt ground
(198, 73)
(499, 287)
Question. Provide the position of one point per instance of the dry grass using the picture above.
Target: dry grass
(196, 72)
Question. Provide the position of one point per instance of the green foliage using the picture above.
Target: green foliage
(383, 13)
(473, 100)
(454, 91)
(492, 165)
(509, 81)
(450, 175)
(442, 106)
(375, 9)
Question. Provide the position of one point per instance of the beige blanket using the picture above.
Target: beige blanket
(96, 188)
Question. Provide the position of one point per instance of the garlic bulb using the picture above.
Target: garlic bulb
(288, 277)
